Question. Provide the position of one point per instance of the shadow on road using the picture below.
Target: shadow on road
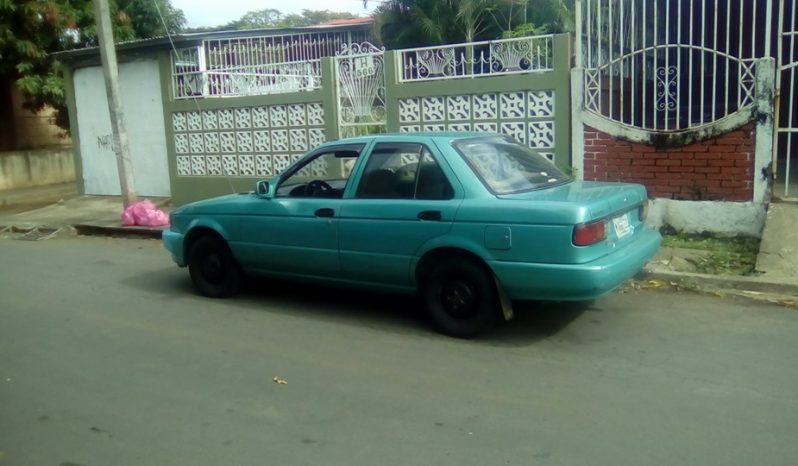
(385, 312)
(169, 283)
(534, 321)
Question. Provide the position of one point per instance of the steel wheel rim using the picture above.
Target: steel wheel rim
(459, 299)
(212, 268)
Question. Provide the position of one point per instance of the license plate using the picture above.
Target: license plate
(622, 227)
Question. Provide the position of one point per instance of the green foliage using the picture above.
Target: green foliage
(31, 30)
(417, 23)
(311, 17)
(540, 17)
(139, 19)
(727, 256)
(271, 18)
(526, 29)
(265, 18)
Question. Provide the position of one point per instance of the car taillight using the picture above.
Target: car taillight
(590, 233)
(643, 211)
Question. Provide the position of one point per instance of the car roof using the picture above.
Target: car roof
(410, 136)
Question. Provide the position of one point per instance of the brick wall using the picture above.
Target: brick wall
(717, 169)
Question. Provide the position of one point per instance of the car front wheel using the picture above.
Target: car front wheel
(213, 268)
(461, 298)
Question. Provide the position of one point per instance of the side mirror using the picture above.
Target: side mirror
(262, 188)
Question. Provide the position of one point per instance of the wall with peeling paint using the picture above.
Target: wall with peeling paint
(716, 169)
(725, 162)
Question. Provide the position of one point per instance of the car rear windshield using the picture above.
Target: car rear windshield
(506, 167)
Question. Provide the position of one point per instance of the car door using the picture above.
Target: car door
(405, 197)
(295, 231)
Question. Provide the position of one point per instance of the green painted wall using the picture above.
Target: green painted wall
(532, 107)
(223, 145)
(206, 138)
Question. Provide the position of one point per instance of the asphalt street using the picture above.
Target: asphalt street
(108, 357)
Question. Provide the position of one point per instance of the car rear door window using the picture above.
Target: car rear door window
(403, 171)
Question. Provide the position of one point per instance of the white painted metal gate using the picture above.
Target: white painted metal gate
(786, 157)
(360, 85)
(670, 65)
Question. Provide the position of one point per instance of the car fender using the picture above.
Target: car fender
(452, 241)
(472, 247)
(207, 222)
(203, 223)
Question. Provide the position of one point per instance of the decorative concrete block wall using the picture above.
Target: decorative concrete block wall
(259, 141)
(527, 116)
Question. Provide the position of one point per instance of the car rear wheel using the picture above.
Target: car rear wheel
(461, 298)
(213, 268)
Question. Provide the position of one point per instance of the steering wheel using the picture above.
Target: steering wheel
(318, 188)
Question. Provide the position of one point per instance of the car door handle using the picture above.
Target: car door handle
(325, 212)
(430, 215)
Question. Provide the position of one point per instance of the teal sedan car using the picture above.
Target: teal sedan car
(469, 221)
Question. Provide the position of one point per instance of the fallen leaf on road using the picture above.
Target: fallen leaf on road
(280, 381)
(655, 284)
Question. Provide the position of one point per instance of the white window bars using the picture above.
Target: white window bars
(254, 65)
(487, 58)
(669, 65)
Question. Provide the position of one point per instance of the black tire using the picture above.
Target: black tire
(461, 297)
(213, 268)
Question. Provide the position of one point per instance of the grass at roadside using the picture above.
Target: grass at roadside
(727, 256)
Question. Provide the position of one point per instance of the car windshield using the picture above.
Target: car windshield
(506, 167)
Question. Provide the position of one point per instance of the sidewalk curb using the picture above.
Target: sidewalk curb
(738, 283)
(133, 232)
(87, 230)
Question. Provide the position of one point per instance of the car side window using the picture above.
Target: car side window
(323, 175)
(403, 171)
(431, 182)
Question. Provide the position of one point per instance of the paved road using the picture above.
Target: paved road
(108, 358)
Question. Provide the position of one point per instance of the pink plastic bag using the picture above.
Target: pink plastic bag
(145, 214)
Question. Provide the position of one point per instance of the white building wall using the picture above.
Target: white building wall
(140, 89)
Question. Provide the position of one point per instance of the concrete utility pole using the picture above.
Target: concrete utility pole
(102, 17)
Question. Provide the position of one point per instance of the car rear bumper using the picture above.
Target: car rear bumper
(576, 282)
(173, 242)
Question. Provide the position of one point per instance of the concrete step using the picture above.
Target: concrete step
(778, 253)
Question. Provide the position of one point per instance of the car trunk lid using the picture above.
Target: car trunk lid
(601, 199)
(618, 205)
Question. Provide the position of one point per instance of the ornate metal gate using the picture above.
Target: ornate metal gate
(670, 65)
(360, 77)
(786, 158)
